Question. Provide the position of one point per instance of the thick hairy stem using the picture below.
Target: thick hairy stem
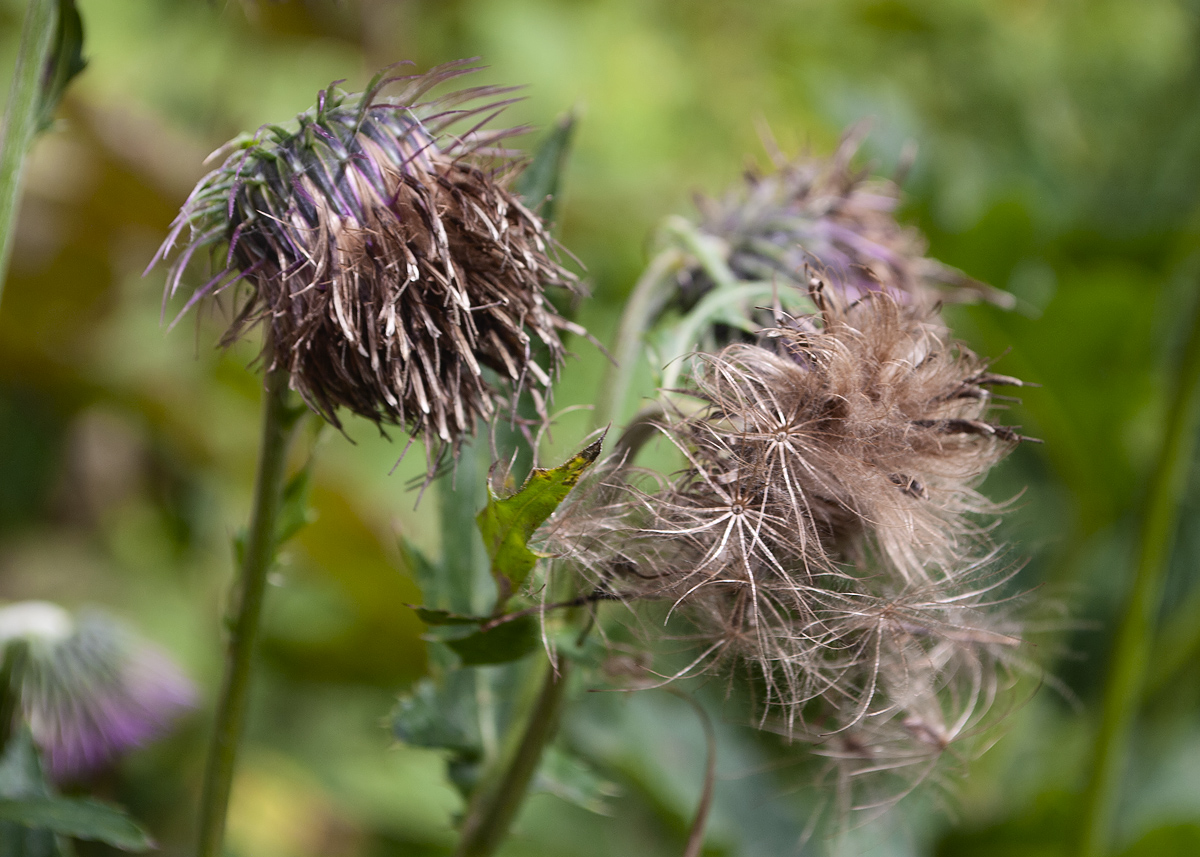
(495, 804)
(21, 114)
(243, 623)
(1131, 647)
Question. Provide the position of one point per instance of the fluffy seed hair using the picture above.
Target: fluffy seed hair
(387, 256)
(826, 530)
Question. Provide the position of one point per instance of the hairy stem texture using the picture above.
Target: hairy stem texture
(244, 619)
(20, 116)
(495, 804)
(1131, 647)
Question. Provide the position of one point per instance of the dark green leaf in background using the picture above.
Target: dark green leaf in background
(66, 61)
(32, 817)
(21, 778)
(540, 182)
(438, 716)
(506, 642)
(1180, 840)
(574, 780)
(21, 770)
(445, 617)
(81, 819)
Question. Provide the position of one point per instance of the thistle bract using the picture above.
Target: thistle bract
(88, 687)
(387, 257)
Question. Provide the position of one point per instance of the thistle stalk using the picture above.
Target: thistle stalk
(495, 803)
(1131, 648)
(498, 797)
(14, 656)
(460, 497)
(243, 623)
(645, 302)
(20, 116)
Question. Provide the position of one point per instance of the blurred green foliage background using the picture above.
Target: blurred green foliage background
(1058, 157)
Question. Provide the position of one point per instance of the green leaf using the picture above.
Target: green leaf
(460, 581)
(508, 641)
(507, 524)
(1180, 840)
(445, 617)
(18, 841)
(732, 306)
(80, 818)
(21, 777)
(425, 573)
(539, 184)
(570, 778)
(440, 716)
(239, 546)
(20, 769)
(66, 60)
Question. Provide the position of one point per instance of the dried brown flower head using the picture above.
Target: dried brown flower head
(387, 257)
(827, 532)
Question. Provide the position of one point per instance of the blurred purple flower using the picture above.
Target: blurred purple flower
(90, 689)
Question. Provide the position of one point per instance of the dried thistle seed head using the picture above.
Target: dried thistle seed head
(936, 673)
(387, 257)
(820, 215)
(826, 531)
(868, 422)
(88, 687)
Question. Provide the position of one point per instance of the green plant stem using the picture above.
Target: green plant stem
(14, 655)
(1176, 647)
(460, 497)
(1131, 647)
(645, 302)
(278, 423)
(495, 804)
(695, 843)
(20, 116)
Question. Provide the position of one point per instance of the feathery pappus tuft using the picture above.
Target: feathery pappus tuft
(826, 531)
(89, 688)
(387, 257)
(823, 215)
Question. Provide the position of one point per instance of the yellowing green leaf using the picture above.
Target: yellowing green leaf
(507, 524)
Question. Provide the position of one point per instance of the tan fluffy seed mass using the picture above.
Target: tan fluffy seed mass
(826, 531)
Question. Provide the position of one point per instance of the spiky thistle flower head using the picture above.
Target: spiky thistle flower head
(386, 255)
(88, 687)
(823, 215)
